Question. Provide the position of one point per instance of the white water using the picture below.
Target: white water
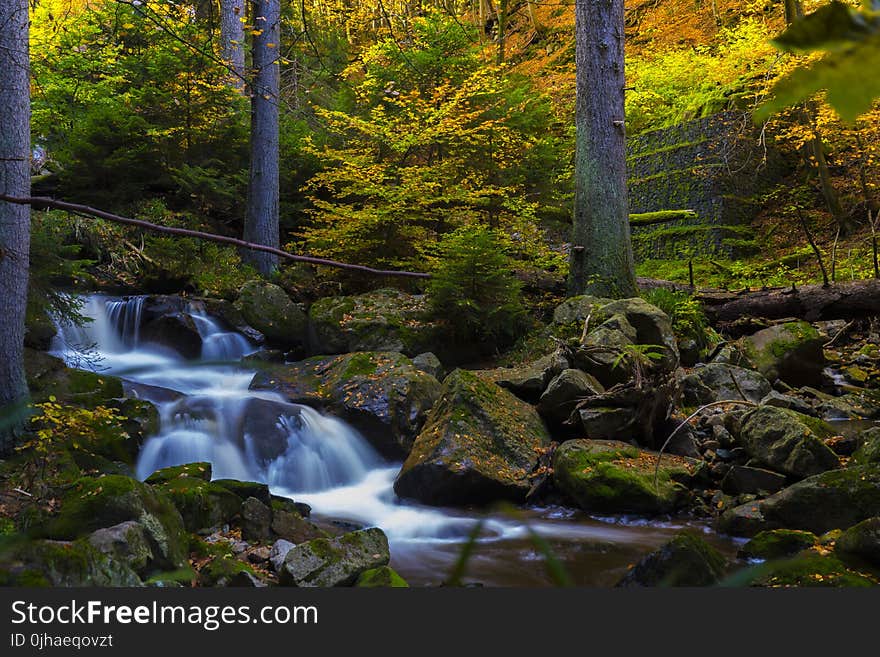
(208, 414)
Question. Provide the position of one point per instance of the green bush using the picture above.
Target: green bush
(473, 287)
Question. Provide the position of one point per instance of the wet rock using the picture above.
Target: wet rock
(614, 477)
(861, 541)
(864, 404)
(810, 569)
(564, 392)
(335, 562)
(245, 489)
(713, 382)
(292, 526)
(64, 564)
(430, 364)
(383, 320)
(270, 311)
(176, 331)
(741, 479)
(383, 577)
(778, 544)
(479, 445)
(380, 393)
(96, 503)
(832, 500)
(787, 442)
(687, 560)
(791, 352)
(256, 520)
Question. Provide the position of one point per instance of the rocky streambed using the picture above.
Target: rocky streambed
(248, 461)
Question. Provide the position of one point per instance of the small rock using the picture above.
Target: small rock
(862, 541)
(741, 479)
(278, 552)
(256, 520)
(687, 560)
(335, 562)
(259, 554)
(777, 544)
(429, 363)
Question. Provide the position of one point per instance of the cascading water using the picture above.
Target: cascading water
(208, 413)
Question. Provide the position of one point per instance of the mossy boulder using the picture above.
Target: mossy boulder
(479, 444)
(141, 422)
(787, 441)
(202, 504)
(383, 320)
(810, 569)
(126, 542)
(869, 450)
(862, 541)
(791, 352)
(49, 376)
(267, 308)
(600, 352)
(686, 560)
(653, 327)
(177, 331)
(335, 562)
(245, 489)
(835, 499)
(713, 382)
(382, 394)
(564, 392)
(777, 544)
(197, 470)
(615, 477)
(383, 577)
(228, 571)
(64, 564)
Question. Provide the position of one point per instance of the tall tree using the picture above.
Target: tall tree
(233, 14)
(261, 222)
(15, 156)
(601, 260)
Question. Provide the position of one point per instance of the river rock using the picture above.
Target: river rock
(291, 526)
(335, 562)
(791, 352)
(383, 320)
(529, 381)
(95, 503)
(177, 331)
(267, 308)
(126, 542)
(245, 489)
(49, 376)
(479, 445)
(382, 394)
(229, 571)
(742, 479)
(430, 364)
(627, 413)
(49, 563)
(779, 400)
(614, 477)
(256, 520)
(787, 442)
(810, 569)
(778, 544)
(860, 405)
(686, 560)
(835, 499)
(564, 392)
(861, 541)
(713, 382)
(383, 577)
(869, 450)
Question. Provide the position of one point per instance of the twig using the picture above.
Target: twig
(838, 334)
(834, 257)
(688, 419)
(23, 492)
(814, 247)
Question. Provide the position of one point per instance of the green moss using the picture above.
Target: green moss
(659, 217)
(811, 569)
(384, 576)
(778, 543)
(200, 470)
(222, 571)
(202, 504)
(360, 364)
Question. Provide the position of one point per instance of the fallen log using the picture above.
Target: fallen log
(853, 300)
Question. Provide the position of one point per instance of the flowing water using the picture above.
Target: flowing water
(207, 413)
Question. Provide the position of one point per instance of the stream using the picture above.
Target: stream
(207, 413)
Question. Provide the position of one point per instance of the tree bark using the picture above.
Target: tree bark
(601, 260)
(261, 222)
(232, 15)
(15, 157)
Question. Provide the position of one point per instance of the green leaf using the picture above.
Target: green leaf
(849, 78)
(833, 26)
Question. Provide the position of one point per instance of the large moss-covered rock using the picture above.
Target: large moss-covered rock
(686, 560)
(126, 542)
(787, 442)
(95, 503)
(198, 470)
(791, 352)
(268, 309)
(335, 562)
(49, 376)
(202, 504)
(383, 320)
(479, 445)
(869, 450)
(383, 577)
(810, 569)
(64, 564)
(719, 382)
(777, 544)
(564, 393)
(614, 477)
(381, 393)
(835, 499)
(861, 541)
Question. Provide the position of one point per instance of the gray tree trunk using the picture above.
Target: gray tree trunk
(601, 260)
(232, 13)
(261, 223)
(15, 156)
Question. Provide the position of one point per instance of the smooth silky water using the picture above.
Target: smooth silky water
(207, 413)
